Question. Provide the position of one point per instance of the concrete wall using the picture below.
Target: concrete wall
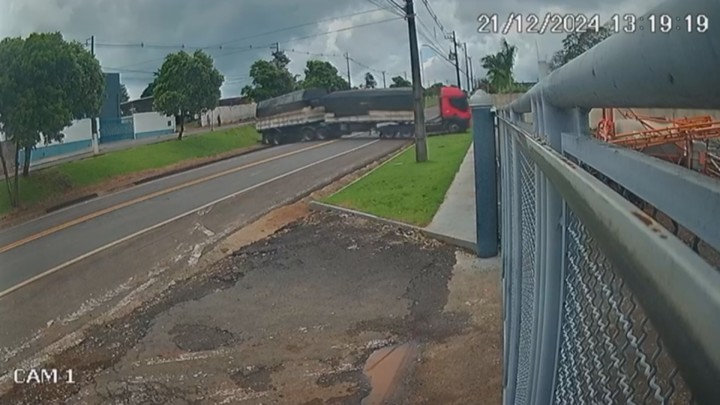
(78, 138)
(228, 114)
(150, 124)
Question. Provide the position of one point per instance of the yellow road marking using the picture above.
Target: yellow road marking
(175, 218)
(146, 197)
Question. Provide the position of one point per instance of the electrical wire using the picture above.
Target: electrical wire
(352, 27)
(221, 45)
(390, 6)
(335, 55)
(434, 16)
(266, 46)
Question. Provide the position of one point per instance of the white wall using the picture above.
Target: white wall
(153, 122)
(80, 130)
(228, 114)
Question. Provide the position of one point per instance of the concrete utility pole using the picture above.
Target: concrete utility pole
(472, 76)
(467, 68)
(421, 152)
(457, 60)
(384, 82)
(347, 60)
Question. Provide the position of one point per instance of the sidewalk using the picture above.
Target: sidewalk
(456, 216)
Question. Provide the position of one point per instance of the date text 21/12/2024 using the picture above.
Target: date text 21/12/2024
(555, 23)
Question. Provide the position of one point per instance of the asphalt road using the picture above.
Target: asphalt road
(60, 268)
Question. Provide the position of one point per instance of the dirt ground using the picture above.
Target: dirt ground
(294, 319)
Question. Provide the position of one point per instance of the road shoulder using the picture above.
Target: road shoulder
(293, 318)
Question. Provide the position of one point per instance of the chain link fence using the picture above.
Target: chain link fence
(606, 348)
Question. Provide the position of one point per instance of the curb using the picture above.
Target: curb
(147, 179)
(463, 244)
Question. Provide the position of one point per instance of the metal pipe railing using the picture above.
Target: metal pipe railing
(643, 68)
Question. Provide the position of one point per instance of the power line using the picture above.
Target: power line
(352, 27)
(434, 16)
(335, 55)
(390, 6)
(221, 45)
(428, 38)
(265, 46)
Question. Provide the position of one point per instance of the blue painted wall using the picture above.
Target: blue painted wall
(111, 105)
(58, 149)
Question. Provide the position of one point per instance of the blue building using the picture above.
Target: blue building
(113, 126)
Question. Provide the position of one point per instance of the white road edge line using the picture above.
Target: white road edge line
(125, 190)
(173, 219)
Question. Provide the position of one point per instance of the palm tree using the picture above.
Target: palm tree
(499, 68)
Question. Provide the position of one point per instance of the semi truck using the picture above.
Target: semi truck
(315, 114)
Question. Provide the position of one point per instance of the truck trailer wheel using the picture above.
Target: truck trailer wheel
(321, 134)
(265, 139)
(307, 134)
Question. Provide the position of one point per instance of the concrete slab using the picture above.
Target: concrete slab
(456, 216)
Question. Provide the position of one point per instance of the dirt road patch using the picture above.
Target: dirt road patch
(293, 319)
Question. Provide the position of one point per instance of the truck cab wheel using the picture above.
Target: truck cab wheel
(453, 128)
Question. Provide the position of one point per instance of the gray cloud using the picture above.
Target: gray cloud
(382, 47)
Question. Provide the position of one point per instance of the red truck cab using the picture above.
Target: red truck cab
(451, 112)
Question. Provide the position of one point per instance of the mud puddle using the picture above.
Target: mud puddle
(385, 368)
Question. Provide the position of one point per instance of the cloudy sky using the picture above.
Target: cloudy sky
(132, 36)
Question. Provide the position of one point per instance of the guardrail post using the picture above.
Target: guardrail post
(486, 209)
(513, 273)
(554, 122)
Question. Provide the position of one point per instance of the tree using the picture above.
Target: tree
(499, 67)
(270, 78)
(577, 43)
(320, 74)
(434, 90)
(45, 84)
(370, 82)
(399, 81)
(187, 85)
(150, 89)
(124, 96)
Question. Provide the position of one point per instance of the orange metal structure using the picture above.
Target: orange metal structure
(679, 133)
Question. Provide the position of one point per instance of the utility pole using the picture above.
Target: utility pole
(347, 60)
(384, 82)
(276, 47)
(421, 152)
(467, 68)
(472, 76)
(457, 60)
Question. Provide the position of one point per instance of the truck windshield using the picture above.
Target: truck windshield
(460, 103)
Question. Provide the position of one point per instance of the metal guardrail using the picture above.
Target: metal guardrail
(603, 302)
